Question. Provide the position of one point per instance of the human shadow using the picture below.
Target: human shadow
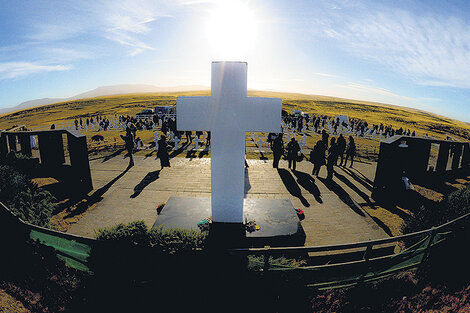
(190, 154)
(361, 179)
(348, 183)
(342, 194)
(147, 180)
(112, 155)
(203, 153)
(97, 196)
(308, 182)
(176, 152)
(247, 181)
(289, 182)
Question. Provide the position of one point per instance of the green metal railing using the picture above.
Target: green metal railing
(75, 250)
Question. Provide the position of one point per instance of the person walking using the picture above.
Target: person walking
(332, 158)
(317, 157)
(278, 150)
(341, 148)
(162, 152)
(293, 149)
(350, 151)
(129, 143)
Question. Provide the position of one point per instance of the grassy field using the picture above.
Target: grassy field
(367, 149)
(419, 121)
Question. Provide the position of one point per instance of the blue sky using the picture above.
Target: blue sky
(411, 53)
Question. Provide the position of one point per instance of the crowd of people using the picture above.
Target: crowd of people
(323, 153)
(354, 125)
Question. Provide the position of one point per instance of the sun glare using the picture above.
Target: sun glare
(231, 30)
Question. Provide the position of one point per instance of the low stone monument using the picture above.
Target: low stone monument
(228, 114)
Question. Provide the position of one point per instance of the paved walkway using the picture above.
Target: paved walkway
(331, 213)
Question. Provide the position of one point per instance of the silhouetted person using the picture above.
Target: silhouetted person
(317, 157)
(332, 158)
(129, 143)
(293, 149)
(324, 138)
(341, 148)
(162, 152)
(189, 137)
(278, 150)
(350, 151)
(208, 139)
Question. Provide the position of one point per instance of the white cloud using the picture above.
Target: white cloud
(376, 90)
(20, 69)
(431, 50)
(326, 75)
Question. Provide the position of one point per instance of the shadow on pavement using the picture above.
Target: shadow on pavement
(342, 194)
(351, 185)
(112, 155)
(97, 196)
(149, 178)
(361, 179)
(308, 182)
(291, 185)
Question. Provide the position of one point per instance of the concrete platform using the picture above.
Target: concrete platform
(332, 211)
(278, 221)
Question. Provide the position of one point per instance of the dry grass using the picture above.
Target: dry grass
(420, 121)
(8, 304)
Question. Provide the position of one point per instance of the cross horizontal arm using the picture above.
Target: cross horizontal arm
(194, 113)
(264, 114)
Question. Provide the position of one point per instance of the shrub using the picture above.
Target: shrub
(132, 234)
(21, 163)
(174, 240)
(25, 198)
(456, 204)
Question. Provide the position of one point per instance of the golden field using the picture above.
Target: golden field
(376, 113)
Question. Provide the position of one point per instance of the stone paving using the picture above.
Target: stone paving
(331, 212)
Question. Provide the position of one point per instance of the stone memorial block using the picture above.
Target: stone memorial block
(51, 148)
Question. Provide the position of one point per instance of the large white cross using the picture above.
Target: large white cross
(228, 113)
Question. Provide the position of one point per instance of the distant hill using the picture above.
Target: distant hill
(103, 91)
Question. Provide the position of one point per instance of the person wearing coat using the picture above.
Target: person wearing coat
(129, 143)
(317, 157)
(162, 152)
(278, 150)
(332, 158)
(293, 149)
(350, 151)
(341, 148)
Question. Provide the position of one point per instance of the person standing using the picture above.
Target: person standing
(341, 148)
(162, 152)
(317, 157)
(324, 138)
(278, 150)
(350, 151)
(189, 137)
(129, 143)
(293, 149)
(332, 158)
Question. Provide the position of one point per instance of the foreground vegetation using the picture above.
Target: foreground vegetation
(132, 265)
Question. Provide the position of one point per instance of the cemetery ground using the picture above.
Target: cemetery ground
(409, 291)
(441, 287)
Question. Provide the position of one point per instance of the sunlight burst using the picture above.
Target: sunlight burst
(232, 30)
